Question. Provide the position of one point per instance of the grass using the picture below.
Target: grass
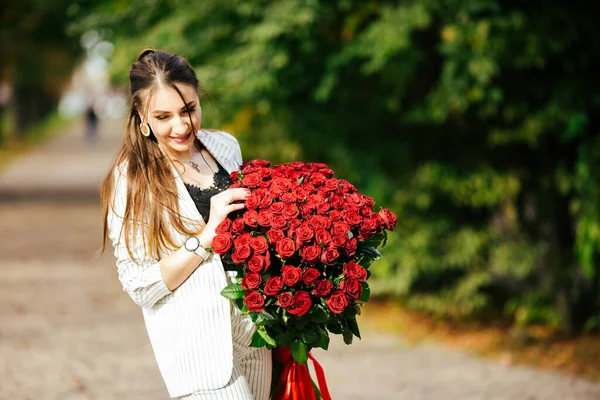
(12, 147)
(533, 346)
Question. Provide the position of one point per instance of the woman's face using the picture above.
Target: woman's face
(169, 119)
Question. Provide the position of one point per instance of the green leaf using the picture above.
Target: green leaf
(334, 327)
(286, 338)
(301, 179)
(299, 351)
(309, 336)
(319, 315)
(353, 326)
(257, 340)
(262, 331)
(347, 334)
(323, 340)
(233, 291)
(366, 293)
(371, 252)
(265, 318)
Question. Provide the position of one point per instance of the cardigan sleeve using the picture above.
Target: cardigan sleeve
(140, 276)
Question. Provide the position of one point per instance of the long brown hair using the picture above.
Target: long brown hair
(152, 205)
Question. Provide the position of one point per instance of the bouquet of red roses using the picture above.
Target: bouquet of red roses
(302, 249)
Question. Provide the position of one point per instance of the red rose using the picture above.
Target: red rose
(251, 281)
(355, 271)
(288, 197)
(285, 300)
(259, 244)
(318, 221)
(338, 241)
(224, 226)
(265, 173)
(335, 215)
(389, 219)
(259, 264)
(241, 253)
(365, 211)
(323, 237)
(346, 187)
(351, 246)
(337, 302)
(352, 218)
(251, 180)
(356, 199)
(340, 229)
(351, 287)
(302, 303)
(291, 211)
(275, 235)
(322, 288)
(278, 222)
(304, 233)
(310, 254)
(331, 184)
(260, 163)
(235, 175)
(370, 226)
(336, 202)
(310, 275)
(244, 238)
(329, 256)
(273, 286)
(323, 208)
(266, 201)
(237, 226)
(264, 218)
(222, 243)
(317, 179)
(277, 208)
(251, 218)
(291, 275)
(285, 248)
(252, 202)
(255, 301)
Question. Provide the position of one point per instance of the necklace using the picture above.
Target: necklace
(195, 165)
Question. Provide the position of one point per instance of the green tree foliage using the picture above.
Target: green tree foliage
(38, 56)
(475, 121)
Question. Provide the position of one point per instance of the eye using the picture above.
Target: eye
(161, 118)
(189, 110)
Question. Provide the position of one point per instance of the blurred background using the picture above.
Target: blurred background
(476, 122)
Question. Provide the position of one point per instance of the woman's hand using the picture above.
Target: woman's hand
(220, 206)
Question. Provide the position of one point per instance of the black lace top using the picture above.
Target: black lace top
(201, 197)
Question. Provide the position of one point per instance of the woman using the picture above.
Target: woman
(162, 200)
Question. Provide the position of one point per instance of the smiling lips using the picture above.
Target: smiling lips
(181, 139)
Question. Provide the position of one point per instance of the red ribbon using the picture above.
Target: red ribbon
(295, 383)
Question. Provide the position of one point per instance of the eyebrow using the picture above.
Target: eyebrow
(182, 108)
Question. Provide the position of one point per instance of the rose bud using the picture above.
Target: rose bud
(285, 248)
(337, 302)
(222, 243)
(302, 303)
(355, 271)
(255, 301)
(291, 275)
(351, 287)
(322, 288)
(310, 275)
(251, 281)
(285, 300)
(273, 286)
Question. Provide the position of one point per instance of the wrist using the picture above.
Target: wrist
(206, 237)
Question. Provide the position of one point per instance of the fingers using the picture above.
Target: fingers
(234, 207)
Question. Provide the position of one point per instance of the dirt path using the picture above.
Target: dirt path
(68, 331)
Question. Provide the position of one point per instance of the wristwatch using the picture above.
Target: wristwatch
(192, 244)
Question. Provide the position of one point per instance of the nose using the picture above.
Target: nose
(180, 125)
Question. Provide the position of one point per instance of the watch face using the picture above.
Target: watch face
(192, 243)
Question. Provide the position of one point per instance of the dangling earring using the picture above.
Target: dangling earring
(145, 128)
